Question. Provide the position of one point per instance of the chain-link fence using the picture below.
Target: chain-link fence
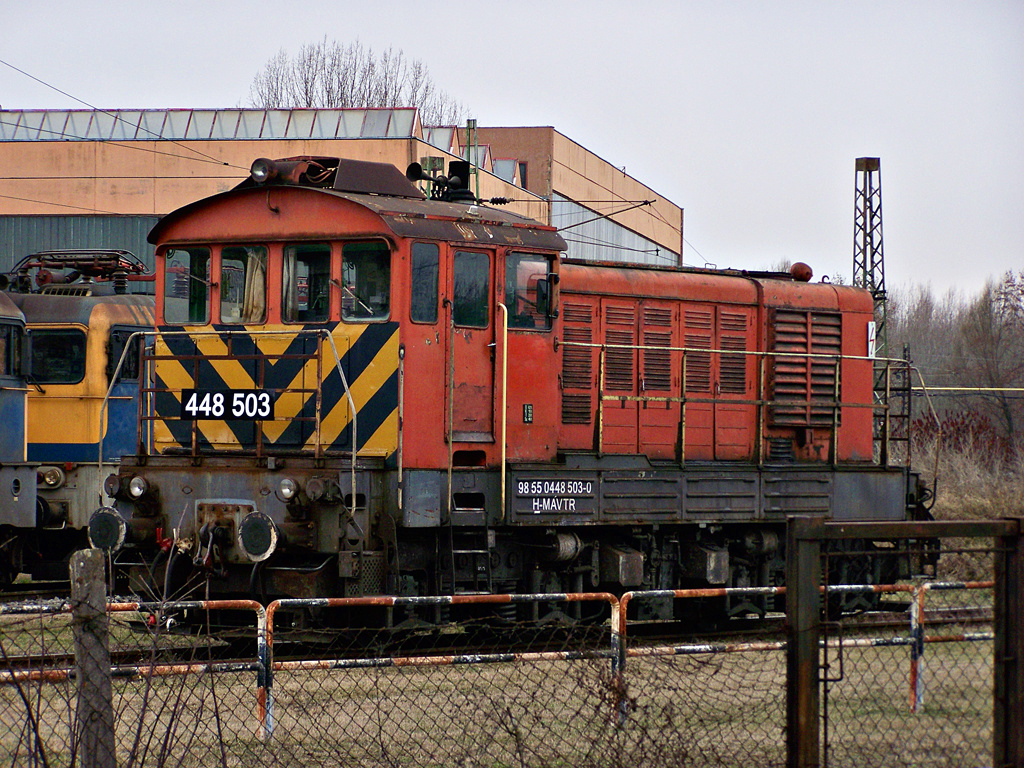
(116, 686)
(920, 694)
(526, 680)
(410, 694)
(938, 686)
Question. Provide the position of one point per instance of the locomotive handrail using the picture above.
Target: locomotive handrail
(352, 405)
(753, 352)
(810, 402)
(938, 431)
(106, 399)
(504, 404)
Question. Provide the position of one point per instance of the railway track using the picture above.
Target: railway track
(35, 591)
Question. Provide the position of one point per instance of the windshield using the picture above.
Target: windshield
(58, 356)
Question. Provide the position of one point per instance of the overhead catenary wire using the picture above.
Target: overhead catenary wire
(657, 253)
(58, 205)
(124, 144)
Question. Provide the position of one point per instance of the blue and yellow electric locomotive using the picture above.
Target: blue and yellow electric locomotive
(82, 325)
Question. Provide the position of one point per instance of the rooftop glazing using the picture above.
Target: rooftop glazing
(200, 124)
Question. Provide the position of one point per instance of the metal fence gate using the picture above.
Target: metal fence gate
(945, 691)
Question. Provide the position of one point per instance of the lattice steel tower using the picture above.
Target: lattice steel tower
(868, 261)
(892, 381)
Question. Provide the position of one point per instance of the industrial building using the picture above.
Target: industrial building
(102, 179)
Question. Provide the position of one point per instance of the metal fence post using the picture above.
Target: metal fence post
(803, 620)
(92, 660)
(1008, 717)
(917, 647)
(619, 643)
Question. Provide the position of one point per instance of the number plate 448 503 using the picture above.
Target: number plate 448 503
(226, 404)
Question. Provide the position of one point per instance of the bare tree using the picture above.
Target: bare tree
(931, 328)
(991, 349)
(330, 75)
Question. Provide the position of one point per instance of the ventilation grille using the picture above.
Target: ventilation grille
(576, 408)
(698, 364)
(577, 365)
(698, 318)
(731, 322)
(66, 290)
(657, 363)
(618, 362)
(658, 316)
(576, 313)
(803, 389)
(733, 375)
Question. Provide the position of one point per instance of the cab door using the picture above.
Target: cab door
(470, 348)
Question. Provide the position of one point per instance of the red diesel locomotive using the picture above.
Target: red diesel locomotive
(356, 389)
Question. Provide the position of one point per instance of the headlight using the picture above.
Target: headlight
(50, 477)
(263, 170)
(287, 489)
(138, 487)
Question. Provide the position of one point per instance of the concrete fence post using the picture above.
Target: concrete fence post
(96, 747)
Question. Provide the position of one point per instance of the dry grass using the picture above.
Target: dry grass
(972, 485)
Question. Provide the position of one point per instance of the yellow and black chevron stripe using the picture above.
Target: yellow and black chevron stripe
(294, 363)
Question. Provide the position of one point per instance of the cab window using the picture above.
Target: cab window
(187, 286)
(366, 281)
(243, 284)
(306, 283)
(528, 291)
(424, 282)
(471, 283)
(58, 356)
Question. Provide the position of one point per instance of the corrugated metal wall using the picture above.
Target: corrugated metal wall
(22, 235)
(603, 239)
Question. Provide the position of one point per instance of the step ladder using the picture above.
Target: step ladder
(892, 390)
(466, 565)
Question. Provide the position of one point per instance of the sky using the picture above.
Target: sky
(748, 114)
